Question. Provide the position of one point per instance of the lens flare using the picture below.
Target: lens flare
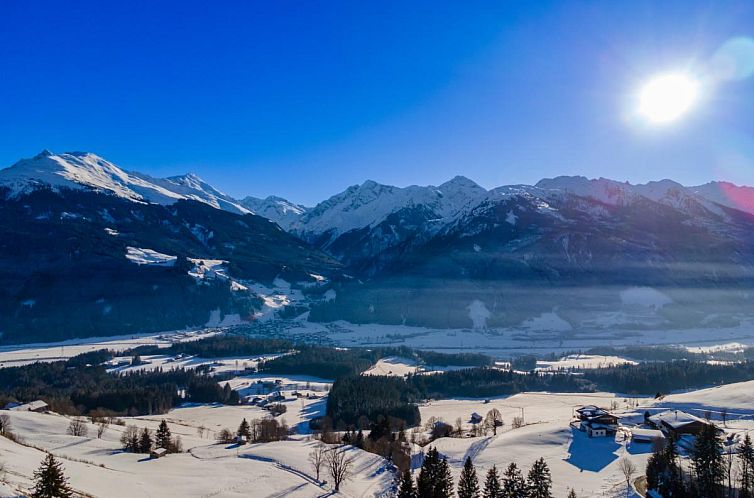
(666, 98)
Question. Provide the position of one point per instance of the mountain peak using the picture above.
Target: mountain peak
(44, 153)
(460, 181)
(85, 170)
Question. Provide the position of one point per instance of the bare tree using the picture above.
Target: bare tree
(225, 436)
(339, 464)
(494, 420)
(517, 422)
(102, 426)
(628, 469)
(4, 423)
(200, 431)
(78, 427)
(458, 429)
(317, 458)
(724, 416)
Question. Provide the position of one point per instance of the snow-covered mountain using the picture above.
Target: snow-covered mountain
(370, 203)
(84, 170)
(281, 211)
(667, 192)
(727, 194)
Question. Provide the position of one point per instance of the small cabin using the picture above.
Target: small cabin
(476, 418)
(241, 440)
(646, 435)
(158, 453)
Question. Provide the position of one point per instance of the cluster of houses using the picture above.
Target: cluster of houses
(599, 422)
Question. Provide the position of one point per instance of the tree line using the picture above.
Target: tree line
(435, 481)
(77, 387)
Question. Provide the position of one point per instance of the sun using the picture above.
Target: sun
(666, 98)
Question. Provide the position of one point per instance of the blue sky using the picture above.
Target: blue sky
(302, 99)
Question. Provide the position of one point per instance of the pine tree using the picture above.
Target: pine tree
(444, 485)
(707, 460)
(50, 480)
(468, 484)
(145, 441)
(746, 466)
(435, 480)
(425, 483)
(514, 485)
(406, 487)
(162, 437)
(244, 430)
(539, 480)
(492, 487)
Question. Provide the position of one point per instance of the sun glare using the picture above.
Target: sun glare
(666, 98)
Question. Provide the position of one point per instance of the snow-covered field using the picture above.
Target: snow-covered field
(97, 467)
(122, 364)
(582, 361)
(30, 353)
(590, 466)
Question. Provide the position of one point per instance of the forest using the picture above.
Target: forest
(82, 385)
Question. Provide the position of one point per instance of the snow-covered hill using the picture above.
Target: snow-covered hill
(84, 170)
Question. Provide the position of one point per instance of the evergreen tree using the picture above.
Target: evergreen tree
(406, 487)
(244, 430)
(50, 482)
(707, 460)
(492, 487)
(425, 483)
(572, 493)
(145, 441)
(435, 480)
(468, 484)
(444, 485)
(514, 485)
(359, 443)
(539, 480)
(162, 437)
(663, 472)
(746, 466)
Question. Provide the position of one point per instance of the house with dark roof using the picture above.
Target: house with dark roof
(596, 421)
(677, 422)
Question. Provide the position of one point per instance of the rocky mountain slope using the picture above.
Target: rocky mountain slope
(566, 254)
(87, 249)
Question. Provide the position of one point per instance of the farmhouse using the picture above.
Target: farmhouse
(596, 422)
(677, 422)
(38, 406)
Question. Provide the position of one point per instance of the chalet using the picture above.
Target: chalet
(476, 418)
(596, 422)
(639, 435)
(677, 422)
(38, 406)
(158, 453)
